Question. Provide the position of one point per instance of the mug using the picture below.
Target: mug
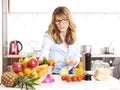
(109, 50)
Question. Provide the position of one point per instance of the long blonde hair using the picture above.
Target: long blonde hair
(64, 13)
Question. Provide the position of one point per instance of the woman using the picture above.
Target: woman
(60, 40)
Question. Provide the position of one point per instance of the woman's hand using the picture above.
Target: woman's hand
(72, 61)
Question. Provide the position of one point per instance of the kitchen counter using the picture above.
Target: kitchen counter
(93, 55)
(110, 84)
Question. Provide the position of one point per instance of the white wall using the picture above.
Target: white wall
(96, 26)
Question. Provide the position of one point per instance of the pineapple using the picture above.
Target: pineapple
(11, 79)
(27, 82)
(8, 79)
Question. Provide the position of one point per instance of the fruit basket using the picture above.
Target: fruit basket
(29, 71)
(42, 71)
(47, 77)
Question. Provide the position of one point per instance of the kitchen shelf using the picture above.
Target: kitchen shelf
(105, 55)
(93, 55)
(17, 56)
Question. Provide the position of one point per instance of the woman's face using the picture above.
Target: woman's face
(62, 24)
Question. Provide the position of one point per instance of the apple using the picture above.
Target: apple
(17, 67)
(64, 71)
(66, 60)
(32, 63)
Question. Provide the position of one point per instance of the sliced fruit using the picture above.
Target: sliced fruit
(80, 65)
(78, 72)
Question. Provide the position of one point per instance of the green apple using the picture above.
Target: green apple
(66, 60)
(64, 71)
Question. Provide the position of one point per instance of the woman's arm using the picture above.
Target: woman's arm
(76, 58)
(47, 43)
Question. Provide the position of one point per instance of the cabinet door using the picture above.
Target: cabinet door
(73, 5)
(1, 39)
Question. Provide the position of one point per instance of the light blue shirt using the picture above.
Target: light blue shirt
(58, 52)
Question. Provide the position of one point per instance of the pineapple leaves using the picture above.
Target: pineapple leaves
(27, 82)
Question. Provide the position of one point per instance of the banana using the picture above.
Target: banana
(41, 67)
(21, 59)
(24, 62)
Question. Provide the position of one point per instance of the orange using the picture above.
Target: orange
(51, 62)
(40, 62)
(20, 73)
(28, 71)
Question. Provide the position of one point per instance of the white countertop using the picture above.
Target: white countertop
(110, 84)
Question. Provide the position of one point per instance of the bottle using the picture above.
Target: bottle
(88, 66)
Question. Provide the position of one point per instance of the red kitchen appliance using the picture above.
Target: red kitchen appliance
(15, 47)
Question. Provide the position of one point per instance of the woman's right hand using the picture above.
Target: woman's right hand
(71, 61)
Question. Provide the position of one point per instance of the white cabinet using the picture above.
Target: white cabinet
(73, 5)
(1, 39)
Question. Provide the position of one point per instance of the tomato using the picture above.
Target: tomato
(63, 78)
(79, 78)
(74, 78)
(68, 79)
(83, 77)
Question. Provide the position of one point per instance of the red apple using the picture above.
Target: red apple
(17, 67)
(32, 63)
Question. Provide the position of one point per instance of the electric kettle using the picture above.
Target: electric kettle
(15, 47)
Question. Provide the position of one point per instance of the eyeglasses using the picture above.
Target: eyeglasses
(63, 21)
